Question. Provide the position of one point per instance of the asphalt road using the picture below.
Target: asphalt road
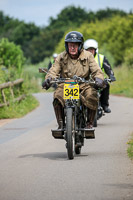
(34, 165)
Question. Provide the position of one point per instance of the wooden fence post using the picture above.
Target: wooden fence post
(10, 85)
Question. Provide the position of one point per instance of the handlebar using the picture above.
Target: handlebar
(75, 78)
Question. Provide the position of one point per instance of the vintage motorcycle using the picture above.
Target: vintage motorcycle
(75, 117)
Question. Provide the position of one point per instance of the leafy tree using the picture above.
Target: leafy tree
(114, 34)
(108, 13)
(39, 43)
(23, 35)
(18, 32)
(3, 20)
(11, 55)
(69, 16)
(44, 45)
(121, 38)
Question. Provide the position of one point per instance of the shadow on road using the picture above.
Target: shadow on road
(51, 155)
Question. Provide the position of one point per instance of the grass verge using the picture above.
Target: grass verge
(124, 82)
(19, 109)
(130, 147)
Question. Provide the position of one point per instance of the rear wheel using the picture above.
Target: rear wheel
(77, 149)
(69, 133)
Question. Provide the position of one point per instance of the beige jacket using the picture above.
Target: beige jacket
(83, 66)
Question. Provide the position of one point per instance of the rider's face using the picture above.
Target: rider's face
(92, 50)
(73, 48)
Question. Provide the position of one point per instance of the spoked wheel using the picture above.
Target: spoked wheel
(69, 133)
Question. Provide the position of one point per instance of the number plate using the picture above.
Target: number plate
(71, 91)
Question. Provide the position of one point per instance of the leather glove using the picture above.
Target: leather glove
(112, 78)
(46, 84)
(99, 83)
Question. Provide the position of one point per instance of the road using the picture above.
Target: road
(34, 165)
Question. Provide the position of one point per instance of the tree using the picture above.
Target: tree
(38, 43)
(11, 55)
(114, 36)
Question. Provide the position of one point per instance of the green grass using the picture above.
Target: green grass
(130, 147)
(124, 82)
(32, 84)
(19, 109)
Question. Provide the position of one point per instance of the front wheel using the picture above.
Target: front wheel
(69, 133)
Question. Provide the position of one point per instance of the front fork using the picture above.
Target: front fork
(76, 122)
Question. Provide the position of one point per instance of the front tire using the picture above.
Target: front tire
(69, 135)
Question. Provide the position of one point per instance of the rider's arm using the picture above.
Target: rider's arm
(94, 69)
(107, 67)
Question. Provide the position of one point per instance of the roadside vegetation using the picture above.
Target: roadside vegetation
(11, 69)
(16, 110)
(130, 147)
(124, 82)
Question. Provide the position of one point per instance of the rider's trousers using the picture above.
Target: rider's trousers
(59, 113)
(104, 99)
(88, 95)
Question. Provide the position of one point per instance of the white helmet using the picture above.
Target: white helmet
(55, 55)
(90, 43)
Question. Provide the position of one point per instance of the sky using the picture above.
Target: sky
(39, 11)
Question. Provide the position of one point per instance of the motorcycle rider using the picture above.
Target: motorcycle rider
(92, 46)
(75, 61)
(52, 60)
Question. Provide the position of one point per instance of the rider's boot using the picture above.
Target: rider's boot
(59, 115)
(90, 118)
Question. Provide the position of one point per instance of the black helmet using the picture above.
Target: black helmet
(74, 36)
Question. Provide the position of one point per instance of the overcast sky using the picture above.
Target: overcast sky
(39, 11)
